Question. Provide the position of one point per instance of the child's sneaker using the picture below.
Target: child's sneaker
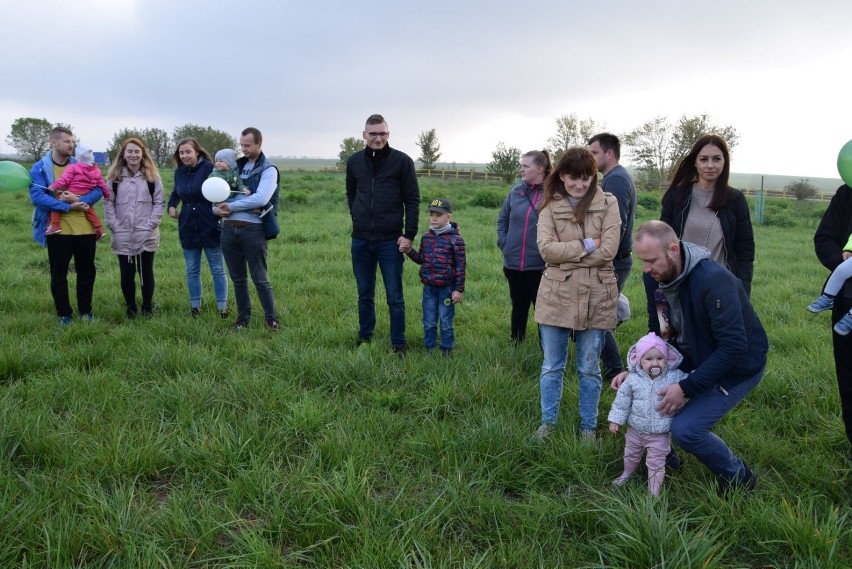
(99, 234)
(53, 230)
(822, 303)
(844, 325)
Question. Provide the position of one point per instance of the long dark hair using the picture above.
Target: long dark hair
(579, 163)
(686, 173)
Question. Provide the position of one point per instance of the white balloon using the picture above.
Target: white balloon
(216, 190)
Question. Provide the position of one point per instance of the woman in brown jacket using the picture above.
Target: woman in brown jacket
(578, 236)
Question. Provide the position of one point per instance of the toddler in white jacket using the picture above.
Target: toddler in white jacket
(652, 365)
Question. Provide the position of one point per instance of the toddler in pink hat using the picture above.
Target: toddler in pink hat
(652, 365)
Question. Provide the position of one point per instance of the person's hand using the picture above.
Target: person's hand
(221, 210)
(673, 400)
(597, 242)
(80, 206)
(68, 197)
(246, 192)
(613, 427)
(456, 296)
(617, 381)
(404, 244)
(847, 255)
(173, 213)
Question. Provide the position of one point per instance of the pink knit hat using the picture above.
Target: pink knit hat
(648, 342)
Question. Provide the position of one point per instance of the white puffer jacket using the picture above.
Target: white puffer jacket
(636, 400)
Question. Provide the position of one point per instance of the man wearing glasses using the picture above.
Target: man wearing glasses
(384, 198)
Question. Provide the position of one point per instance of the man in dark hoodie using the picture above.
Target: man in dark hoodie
(702, 309)
(384, 198)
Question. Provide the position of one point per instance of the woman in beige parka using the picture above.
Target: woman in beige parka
(578, 236)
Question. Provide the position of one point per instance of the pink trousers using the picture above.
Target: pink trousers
(635, 445)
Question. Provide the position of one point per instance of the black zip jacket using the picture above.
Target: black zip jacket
(383, 194)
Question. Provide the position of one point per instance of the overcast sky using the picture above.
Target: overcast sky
(308, 73)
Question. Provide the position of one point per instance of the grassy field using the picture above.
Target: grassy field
(174, 442)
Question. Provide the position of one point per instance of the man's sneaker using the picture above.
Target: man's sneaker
(87, 316)
(239, 325)
(53, 230)
(64, 320)
(543, 431)
(195, 312)
(99, 234)
(361, 341)
(399, 349)
(272, 324)
(447, 352)
(822, 303)
(844, 325)
(224, 313)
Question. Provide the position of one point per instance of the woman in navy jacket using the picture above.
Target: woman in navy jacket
(198, 228)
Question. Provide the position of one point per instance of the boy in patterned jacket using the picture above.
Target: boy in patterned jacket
(442, 257)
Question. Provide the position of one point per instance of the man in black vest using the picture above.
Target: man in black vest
(384, 198)
(243, 237)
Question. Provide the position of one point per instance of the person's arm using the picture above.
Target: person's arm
(174, 197)
(744, 242)
(460, 265)
(720, 306)
(41, 195)
(619, 187)
(552, 250)
(265, 189)
(410, 198)
(610, 237)
(159, 205)
(620, 409)
(109, 210)
(351, 183)
(829, 238)
(503, 221)
(414, 255)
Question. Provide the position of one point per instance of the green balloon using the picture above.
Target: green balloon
(13, 176)
(844, 163)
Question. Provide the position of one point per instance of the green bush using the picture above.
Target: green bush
(486, 198)
(649, 201)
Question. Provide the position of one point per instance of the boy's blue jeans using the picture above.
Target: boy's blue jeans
(437, 305)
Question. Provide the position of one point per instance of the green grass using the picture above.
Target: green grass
(173, 442)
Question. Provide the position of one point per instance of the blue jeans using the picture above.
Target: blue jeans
(691, 428)
(437, 304)
(193, 275)
(611, 355)
(554, 341)
(366, 256)
(245, 247)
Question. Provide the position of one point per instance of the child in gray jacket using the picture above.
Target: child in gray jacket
(652, 364)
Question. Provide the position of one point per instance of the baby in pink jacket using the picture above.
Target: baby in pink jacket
(80, 178)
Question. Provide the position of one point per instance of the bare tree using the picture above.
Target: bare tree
(571, 131)
(650, 146)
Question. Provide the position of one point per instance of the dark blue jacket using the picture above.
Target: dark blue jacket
(197, 226)
(727, 342)
(443, 259)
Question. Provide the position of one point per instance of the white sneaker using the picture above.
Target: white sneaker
(543, 431)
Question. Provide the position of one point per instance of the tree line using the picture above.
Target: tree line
(31, 138)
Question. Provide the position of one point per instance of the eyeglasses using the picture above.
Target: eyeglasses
(378, 134)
